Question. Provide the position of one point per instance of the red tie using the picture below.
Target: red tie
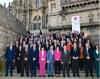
(26, 52)
(51, 53)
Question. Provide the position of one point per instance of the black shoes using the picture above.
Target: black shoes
(48, 75)
(44, 76)
(52, 76)
(35, 76)
(68, 75)
(31, 76)
(92, 76)
(78, 76)
(39, 76)
(63, 75)
(11, 75)
(6, 75)
(86, 76)
(21, 76)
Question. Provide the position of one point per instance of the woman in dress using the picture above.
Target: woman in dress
(19, 59)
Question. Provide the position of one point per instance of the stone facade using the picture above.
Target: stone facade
(32, 12)
(55, 15)
(10, 29)
(59, 17)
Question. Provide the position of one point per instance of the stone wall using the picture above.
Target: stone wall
(10, 29)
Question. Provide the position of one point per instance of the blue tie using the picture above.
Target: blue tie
(65, 52)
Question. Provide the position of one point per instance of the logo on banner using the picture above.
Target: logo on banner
(75, 18)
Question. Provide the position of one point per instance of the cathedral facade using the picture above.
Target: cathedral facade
(55, 15)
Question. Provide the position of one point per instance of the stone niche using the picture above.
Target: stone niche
(10, 29)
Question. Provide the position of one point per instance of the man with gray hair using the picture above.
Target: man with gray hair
(25, 61)
(88, 55)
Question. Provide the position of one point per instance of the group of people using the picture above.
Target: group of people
(69, 51)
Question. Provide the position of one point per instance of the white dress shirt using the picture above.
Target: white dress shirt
(10, 48)
(42, 53)
(97, 52)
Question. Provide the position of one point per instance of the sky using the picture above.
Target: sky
(5, 1)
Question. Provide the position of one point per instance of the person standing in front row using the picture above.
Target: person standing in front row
(34, 55)
(9, 58)
(50, 61)
(57, 61)
(25, 61)
(88, 55)
(65, 60)
(75, 54)
(96, 59)
(42, 62)
(19, 59)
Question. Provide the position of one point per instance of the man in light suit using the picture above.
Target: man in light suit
(34, 52)
(50, 61)
(65, 60)
(9, 58)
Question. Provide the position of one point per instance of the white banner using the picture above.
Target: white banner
(75, 23)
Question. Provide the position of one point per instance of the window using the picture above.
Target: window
(54, 5)
(37, 3)
(39, 18)
(35, 26)
(90, 19)
(91, 29)
(46, 18)
(35, 19)
(39, 26)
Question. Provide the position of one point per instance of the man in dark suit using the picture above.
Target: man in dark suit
(16, 48)
(54, 45)
(75, 54)
(25, 61)
(34, 52)
(61, 46)
(9, 58)
(47, 47)
(88, 55)
(65, 60)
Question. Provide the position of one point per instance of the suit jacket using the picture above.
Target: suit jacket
(75, 54)
(10, 54)
(65, 58)
(90, 55)
(40, 56)
(34, 54)
(61, 48)
(26, 56)
(50, 57)
(47, 48)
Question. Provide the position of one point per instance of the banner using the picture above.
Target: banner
(75, 23)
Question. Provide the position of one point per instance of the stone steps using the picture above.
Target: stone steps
(18, 77)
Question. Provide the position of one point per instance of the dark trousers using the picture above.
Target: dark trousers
(66, 65)
(25, 64)
(57, 66)
(75, 66)
(87, 64)
(18, 70)
(81, 63)
(9, 62)
(70, 65)
(33, 65)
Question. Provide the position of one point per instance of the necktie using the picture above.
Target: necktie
(75, 49)
(51, 53)
(87, 53)
(65, 52)
(26, 52)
